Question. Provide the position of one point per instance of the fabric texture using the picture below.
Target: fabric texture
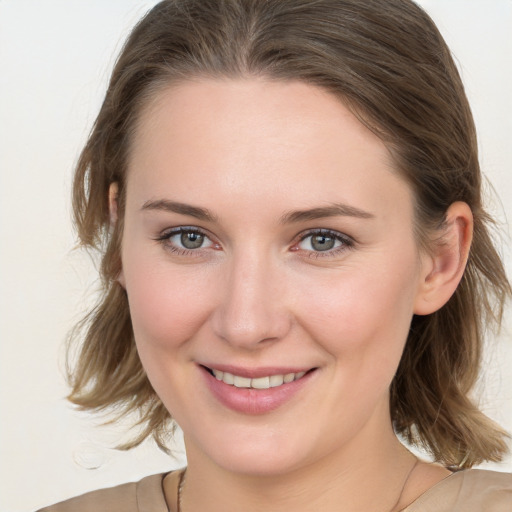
(472, 490)
(466, 491)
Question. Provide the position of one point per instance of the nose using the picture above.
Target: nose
(252, 307)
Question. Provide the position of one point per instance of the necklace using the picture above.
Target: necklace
(180, 488)
(416, 462)
(182, 481)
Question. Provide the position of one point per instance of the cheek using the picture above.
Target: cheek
(167, 305)
(167, 309)
(365, 312)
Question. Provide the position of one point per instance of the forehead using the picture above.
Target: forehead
(257, 139)
(253, 110)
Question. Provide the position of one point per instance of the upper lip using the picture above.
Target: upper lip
(260, 371)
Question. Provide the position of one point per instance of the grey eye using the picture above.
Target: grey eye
(183, 239)
(322, 242)
(192, 239)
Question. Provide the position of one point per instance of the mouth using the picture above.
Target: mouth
(260, 382)
(257, 390)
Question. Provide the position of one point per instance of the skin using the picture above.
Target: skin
(257, 293)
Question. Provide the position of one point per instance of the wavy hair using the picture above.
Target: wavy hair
(387, 62)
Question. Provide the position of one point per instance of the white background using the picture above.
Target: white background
(55, 58)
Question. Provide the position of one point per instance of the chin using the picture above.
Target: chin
(261, 463)
(253, 452)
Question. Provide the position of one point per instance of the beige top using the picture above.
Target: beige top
(466, 491)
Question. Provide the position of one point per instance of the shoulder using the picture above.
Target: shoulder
(146, 494)
(468, 491)
(487, 480)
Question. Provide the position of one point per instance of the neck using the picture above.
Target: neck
(369, 474)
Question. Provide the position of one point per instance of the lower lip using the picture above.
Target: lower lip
(254, 401)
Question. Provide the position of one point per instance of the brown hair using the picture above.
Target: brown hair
(389, 64)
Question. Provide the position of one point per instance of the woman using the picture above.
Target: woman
(296, 260)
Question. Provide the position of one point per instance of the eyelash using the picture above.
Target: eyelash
(165, 237)
(347, 242)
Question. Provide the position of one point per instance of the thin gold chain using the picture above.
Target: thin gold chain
(182, 481)
(180, 487)
(416, 462)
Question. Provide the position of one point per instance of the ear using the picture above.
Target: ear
(113, 194)
(443, 267)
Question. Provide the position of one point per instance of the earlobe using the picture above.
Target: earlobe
(444, 266)
(120, 279)
(113, 193)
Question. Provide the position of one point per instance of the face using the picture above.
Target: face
(271, 269)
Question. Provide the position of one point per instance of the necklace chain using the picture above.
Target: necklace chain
(416, 462)
(180, 488)
(182, 481)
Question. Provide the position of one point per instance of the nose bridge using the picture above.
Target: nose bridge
(252, 308)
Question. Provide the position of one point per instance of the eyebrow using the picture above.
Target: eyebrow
(181, 208)
(333, 210)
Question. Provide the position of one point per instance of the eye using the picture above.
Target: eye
(184, 239)
(319, 242)
(189, 239)
(324, 241)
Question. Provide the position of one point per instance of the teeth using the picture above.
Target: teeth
(261, 383)
(276, 380)
(228, 378)
(272, 381)
(289, 377)
(241, 382)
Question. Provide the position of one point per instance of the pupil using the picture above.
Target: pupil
(192, 240)
(322, 243)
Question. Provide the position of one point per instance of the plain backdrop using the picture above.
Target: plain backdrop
(55, 59)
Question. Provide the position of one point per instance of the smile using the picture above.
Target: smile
(270, 381)
(256, 390)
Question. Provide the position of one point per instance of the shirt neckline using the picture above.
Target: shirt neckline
(432, 491)
(151, 496)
